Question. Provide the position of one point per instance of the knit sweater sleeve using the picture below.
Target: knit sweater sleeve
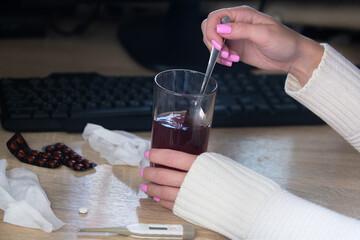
(332, 93)
(224, 196)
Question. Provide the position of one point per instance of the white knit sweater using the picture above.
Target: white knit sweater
(224, 196)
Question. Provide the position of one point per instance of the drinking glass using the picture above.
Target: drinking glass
(182, 116)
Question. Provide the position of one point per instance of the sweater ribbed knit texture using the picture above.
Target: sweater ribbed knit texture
(333, 94)
(286, 216)
(228, 205)
(224, 196)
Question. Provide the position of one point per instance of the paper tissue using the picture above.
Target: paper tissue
(118, 147)
(23, 200)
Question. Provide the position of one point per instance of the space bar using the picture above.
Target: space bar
(112, 112)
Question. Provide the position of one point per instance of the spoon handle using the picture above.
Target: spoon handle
(212, 61)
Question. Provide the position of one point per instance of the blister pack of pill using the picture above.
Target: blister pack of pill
(53, 155)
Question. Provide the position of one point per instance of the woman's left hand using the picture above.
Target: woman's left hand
(164, 183)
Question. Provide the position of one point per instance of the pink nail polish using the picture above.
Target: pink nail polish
(233, 58)
(142, 172)
(147, 154)
(224, 54)
(226, 62)
(156, 199)
(143, 187)
(223, 28)
(216, 45)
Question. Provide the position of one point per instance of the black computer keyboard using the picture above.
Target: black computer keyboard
(68, 101)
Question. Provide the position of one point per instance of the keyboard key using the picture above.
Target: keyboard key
(220, 109)
(59, 114)
(283, 108)
(41, 114)
(263, 108)
(250, 108)
(19, 115)
(235, 109)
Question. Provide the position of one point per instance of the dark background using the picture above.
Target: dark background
(166, 34)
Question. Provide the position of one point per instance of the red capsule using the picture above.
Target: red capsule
(56, 157)
(21, 153)
(57, 153)
(34, 153)
(46, 155)
(41, 162)
(87, 164)
(30, 159)
(74, 155)
(78, 167)
(13, 146)
(67, 150)
(70, 163)
(59, 145)
(53, 163)
(50, 148)
(80, 160)
(20, 140)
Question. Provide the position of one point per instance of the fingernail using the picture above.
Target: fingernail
(226, 62)
(233, 58)
(143, 187)
(147, 154)
(224, 54)
(156, 199)
(142, 172)
(216, 45)
(223, 28)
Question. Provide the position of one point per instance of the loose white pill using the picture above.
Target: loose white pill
(83, 210)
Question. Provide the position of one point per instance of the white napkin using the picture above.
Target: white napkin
(23, 200)
(118, 147)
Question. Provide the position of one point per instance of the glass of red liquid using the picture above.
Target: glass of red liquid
(173, 125)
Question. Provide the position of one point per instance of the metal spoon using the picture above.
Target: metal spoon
(195, 110)
(212, 61)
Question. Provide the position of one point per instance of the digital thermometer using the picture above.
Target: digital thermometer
(149, 231)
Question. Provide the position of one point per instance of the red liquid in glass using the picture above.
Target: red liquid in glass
(174, 131)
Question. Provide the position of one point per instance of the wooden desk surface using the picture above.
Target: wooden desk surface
(313, 162)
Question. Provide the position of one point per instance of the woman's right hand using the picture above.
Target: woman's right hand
(258, 40)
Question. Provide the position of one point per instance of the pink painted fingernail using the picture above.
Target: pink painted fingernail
(223, 28)
(156, 199)
(224, 54)
(226, 62)
(233, 58)
(216, 45)
(147, 154)
(142, 172)
(143, 187)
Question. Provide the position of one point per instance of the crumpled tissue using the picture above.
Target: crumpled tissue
(118, 147)
(23, 200)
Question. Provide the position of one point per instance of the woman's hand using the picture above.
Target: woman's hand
(258, 40)
(164, 183)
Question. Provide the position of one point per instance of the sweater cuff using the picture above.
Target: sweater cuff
(224, 196)
(332, 93)
(286, 216)
(214, 203)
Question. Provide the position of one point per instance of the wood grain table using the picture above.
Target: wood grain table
(312, 162)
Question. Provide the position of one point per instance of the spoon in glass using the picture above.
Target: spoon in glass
(195, 109)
